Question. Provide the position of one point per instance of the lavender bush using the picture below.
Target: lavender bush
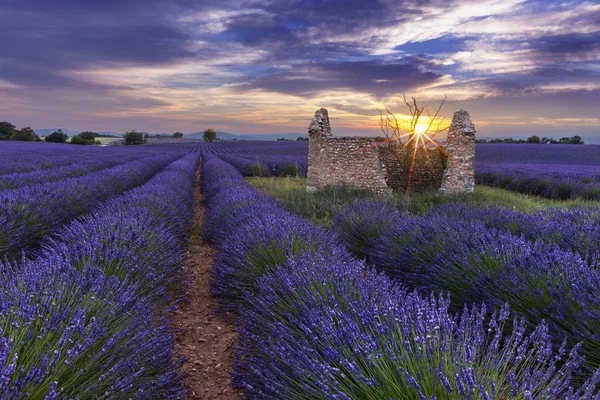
(575, 229)
(362, 224)
(138, 236)
(234, 206)
(222, 175)
(66, 333)
(29, 213)
(316, 324)
(317, 329)
(263, 244)
(259, 158)
(476, 264)
(247, 167)
(86, 317)
(553, 181)
(17, 180)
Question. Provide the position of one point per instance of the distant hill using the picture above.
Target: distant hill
(48, 131)
(110, 133)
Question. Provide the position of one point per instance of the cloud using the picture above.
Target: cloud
(371, 77)
(229, 61)
(41, 43)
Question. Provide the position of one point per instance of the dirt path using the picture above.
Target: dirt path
(204, 338)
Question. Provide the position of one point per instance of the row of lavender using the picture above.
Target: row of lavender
(19, 179)
(18, 157)
(316, 323)
(545, 265)
(547, 180)
(31, 212)
(263, 158)
(87, 315)
(556, 172)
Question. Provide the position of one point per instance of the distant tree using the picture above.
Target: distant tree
(77, 139)
(178, 135)
(533, 139)
(146, 136)
(57, 137)
(133, 137)
(576, 140)
(480, 140)
(209, 135)
(85, 138)
(25, 135)
(88, 135)
(6, 130)
(546, 140)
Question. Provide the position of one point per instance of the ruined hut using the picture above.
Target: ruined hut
(359, 162)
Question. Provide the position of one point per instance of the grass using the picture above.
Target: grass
(323, 205)
(488, 196)
(320, 206)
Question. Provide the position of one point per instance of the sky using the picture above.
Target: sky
(265, 66)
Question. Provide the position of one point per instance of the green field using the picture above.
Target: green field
(324, 205)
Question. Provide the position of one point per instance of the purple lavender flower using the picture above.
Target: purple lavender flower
(69, 333)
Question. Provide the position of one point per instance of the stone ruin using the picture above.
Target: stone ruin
(360, 163)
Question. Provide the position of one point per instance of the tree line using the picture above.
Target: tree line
(535, 140)
(8, 131)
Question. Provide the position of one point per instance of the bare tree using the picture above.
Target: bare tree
(395, 129)
(416, 134)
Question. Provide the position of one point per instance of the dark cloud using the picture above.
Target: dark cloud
(252, 33)
(288, 30)
(41, 41)
(563, 104)
(372, 77)
(535, 81)
(307, 48)
(564, 46)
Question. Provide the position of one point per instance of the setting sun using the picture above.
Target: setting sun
(421, 129)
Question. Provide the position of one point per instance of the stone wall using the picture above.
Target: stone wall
(357, 162)
(351, 162)
(428, 168)
(459, 175)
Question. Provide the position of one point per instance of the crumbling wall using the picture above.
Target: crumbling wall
(428, 168)
(357, 162)
(342, 161)
(459, 175)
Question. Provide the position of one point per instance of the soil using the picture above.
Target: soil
(204, 337)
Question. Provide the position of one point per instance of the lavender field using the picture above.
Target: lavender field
(460, 302)
(92, 242)
(557, 172)
(255, 158)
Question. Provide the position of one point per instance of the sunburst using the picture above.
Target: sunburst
(422, 135)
